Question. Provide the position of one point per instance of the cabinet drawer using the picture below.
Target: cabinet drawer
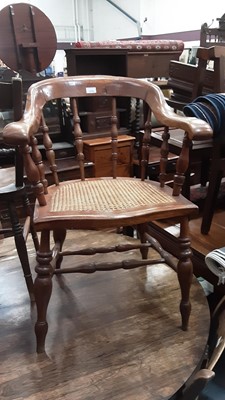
(99, 151)
(104, 156)
(97, 121)
(94, 104)
(140, 64)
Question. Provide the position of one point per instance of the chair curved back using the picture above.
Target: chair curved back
(74, 88)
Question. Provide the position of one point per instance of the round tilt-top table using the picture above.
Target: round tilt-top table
(112, 335)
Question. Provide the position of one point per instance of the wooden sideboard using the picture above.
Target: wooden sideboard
(120, 62)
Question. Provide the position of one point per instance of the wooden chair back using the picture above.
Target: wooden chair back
(213, 36)
(11, 97)
(11, 100)
(12, 189)
(190, 81)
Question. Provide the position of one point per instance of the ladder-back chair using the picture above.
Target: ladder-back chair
(108, 202)
(12, 187)
(188, 82)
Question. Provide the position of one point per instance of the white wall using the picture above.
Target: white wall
(99, 20)
(61, 17)
(177, 15)
(88, 19)
(110, 23)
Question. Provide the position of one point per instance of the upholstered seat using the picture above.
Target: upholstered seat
(133, 45)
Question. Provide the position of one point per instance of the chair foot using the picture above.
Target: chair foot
(204, 230)
(41, 329)
(31, 293)
(185, 310)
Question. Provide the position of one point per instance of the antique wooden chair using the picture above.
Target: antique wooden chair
(211, 109)
(188, 82)
(102, 203)
(12, 188)
(211, 36)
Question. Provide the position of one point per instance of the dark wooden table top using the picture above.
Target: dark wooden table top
(112, 336)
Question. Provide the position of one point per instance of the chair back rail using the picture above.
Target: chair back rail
(74, 88)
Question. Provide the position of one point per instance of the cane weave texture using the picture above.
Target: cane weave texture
(107, 195)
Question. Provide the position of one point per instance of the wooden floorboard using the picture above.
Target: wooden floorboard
(216, 236)
(201, 244)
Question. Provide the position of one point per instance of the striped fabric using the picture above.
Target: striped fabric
(210, 108)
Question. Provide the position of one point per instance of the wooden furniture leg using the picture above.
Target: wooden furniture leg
(43, 289)
(21, 247)
(215, 178)
(185, 272)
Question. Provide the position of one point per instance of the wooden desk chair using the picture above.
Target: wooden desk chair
(102, 203)
(188, 82)
(201, 379)
(211, 36)
(211, 109)
(12, 188)
(215, 179)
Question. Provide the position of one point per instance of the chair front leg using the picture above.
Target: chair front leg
(185, 272)
(43, 288)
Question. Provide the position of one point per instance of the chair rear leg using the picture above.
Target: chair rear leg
(59, 237)
(21, 248)
(184, 267)
(215, 178)
(210, 202)
(34, 236)
(29, 213)
(43, 288)
(142, 229)
(204, 171)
